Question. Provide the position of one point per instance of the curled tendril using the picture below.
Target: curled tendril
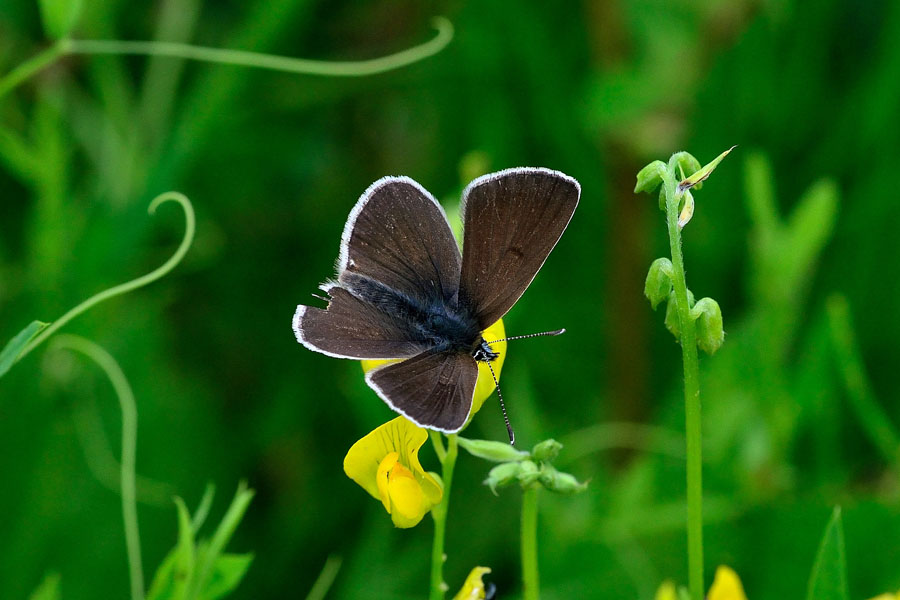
(186, 241)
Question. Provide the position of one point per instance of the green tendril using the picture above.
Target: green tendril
(129, 449)
(240, 58)
(189, 228)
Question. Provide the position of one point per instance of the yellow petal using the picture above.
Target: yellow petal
(381, 477)
(484, 387)
(666, 591)
(726, 585)
(473, 588)
(388, 454)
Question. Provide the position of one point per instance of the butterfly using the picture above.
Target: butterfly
(404, 291)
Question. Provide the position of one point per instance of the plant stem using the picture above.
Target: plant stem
(30, 67)
(439, 513)
(691, 396)
(531, 587)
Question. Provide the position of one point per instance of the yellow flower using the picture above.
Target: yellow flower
(386, 464)
(473, 588)
(484, 387)
(726, 586)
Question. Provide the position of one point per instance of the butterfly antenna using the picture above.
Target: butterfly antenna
(509, 429)
(530, 335)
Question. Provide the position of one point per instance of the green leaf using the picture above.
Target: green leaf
(658, 285)
(48, 589)
(177, 569)
(15, 346)
(700, 175)
(228, 571)
(710, 332)
(650, 177)
(828, 580)
(59, 16)
(492, 451)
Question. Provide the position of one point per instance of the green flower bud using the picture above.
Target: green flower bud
(650, 176)
(658, 285)
(528, 473)
(708, 315)
(684, 162)
(546, 450)
(502, 475)
(672, 322)
(561, 483)
(492, 451)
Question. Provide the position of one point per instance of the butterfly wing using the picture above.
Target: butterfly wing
(397, 255)
(433, 389)
(512, 220)
(398, 235)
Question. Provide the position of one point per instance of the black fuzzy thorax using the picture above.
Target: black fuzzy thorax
(439, 322)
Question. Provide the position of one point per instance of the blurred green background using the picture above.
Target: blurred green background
(795, 235)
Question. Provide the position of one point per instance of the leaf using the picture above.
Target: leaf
(48, 589)
(177, 569)
(15, 346)
(59, 16)
(228, 571)
(828, 580)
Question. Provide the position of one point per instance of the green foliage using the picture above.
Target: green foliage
(828, 580)
(14, 347)
(60, 16)
(48, 588)
(201, 570)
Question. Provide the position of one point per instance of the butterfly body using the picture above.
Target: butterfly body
(404, 291)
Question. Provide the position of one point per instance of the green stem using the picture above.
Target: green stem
(240, 58)
(691, 396)
(531, 587)
(129, 449)
(439, 513)
(150, 277)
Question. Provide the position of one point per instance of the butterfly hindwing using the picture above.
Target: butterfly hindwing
(512, 220)
(433, 389)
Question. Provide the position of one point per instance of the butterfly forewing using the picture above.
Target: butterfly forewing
(512, 220)
(432, 389)
(398, 236)
(352, 328)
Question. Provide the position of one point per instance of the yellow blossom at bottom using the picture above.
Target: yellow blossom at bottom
(386, 464)
(726, 586)
(484, 386)
(473, 588)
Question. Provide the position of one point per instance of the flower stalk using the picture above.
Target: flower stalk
(531, 587)
(439, 514)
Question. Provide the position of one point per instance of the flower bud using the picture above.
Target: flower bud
(684, 162)
(710, 332)
(672, 322)
(561, 483)
(492, 450)
(658, 285)
(650, 177)
(546, 450)
(502, 475)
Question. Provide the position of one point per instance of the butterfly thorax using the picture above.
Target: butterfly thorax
(438, 322)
